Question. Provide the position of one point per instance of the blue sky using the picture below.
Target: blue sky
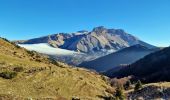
(149, 20)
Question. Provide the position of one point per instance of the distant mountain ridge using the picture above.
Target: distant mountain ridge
(121, 57)
(100, 38)
(154, 67)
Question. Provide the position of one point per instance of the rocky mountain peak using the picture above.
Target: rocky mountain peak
(99, 29)
(100, 38)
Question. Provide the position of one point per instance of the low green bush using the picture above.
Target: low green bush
(18, 69)
(8, 74)
(31, 53)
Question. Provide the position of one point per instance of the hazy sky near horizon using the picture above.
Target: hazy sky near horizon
(148, 20)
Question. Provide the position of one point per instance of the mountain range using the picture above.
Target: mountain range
(27, 74)
(154, 67)
(122, 57)
(96, 43)
(96, 40)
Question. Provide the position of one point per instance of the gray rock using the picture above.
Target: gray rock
(88, 42)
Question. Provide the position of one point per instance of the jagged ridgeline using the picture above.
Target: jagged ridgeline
(29, 75)
(100, 38)
(75, 48)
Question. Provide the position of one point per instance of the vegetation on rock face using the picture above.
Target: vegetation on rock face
(138, 85)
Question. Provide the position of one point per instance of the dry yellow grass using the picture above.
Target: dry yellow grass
(42, 79)
(160, 84)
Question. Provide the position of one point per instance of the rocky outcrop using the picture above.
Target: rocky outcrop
(151, 93)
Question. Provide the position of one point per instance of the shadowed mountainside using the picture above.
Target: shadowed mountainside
(123, 57)
(154, 67)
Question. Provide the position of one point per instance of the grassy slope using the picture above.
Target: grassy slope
(41, 79)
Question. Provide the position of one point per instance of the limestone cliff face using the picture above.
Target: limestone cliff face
(100, 38)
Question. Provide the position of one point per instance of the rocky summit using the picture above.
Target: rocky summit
(99, 39)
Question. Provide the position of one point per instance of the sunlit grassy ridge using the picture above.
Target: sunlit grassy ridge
(39, 78)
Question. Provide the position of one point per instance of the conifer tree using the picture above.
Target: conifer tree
(119, 94)
(138, 85)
